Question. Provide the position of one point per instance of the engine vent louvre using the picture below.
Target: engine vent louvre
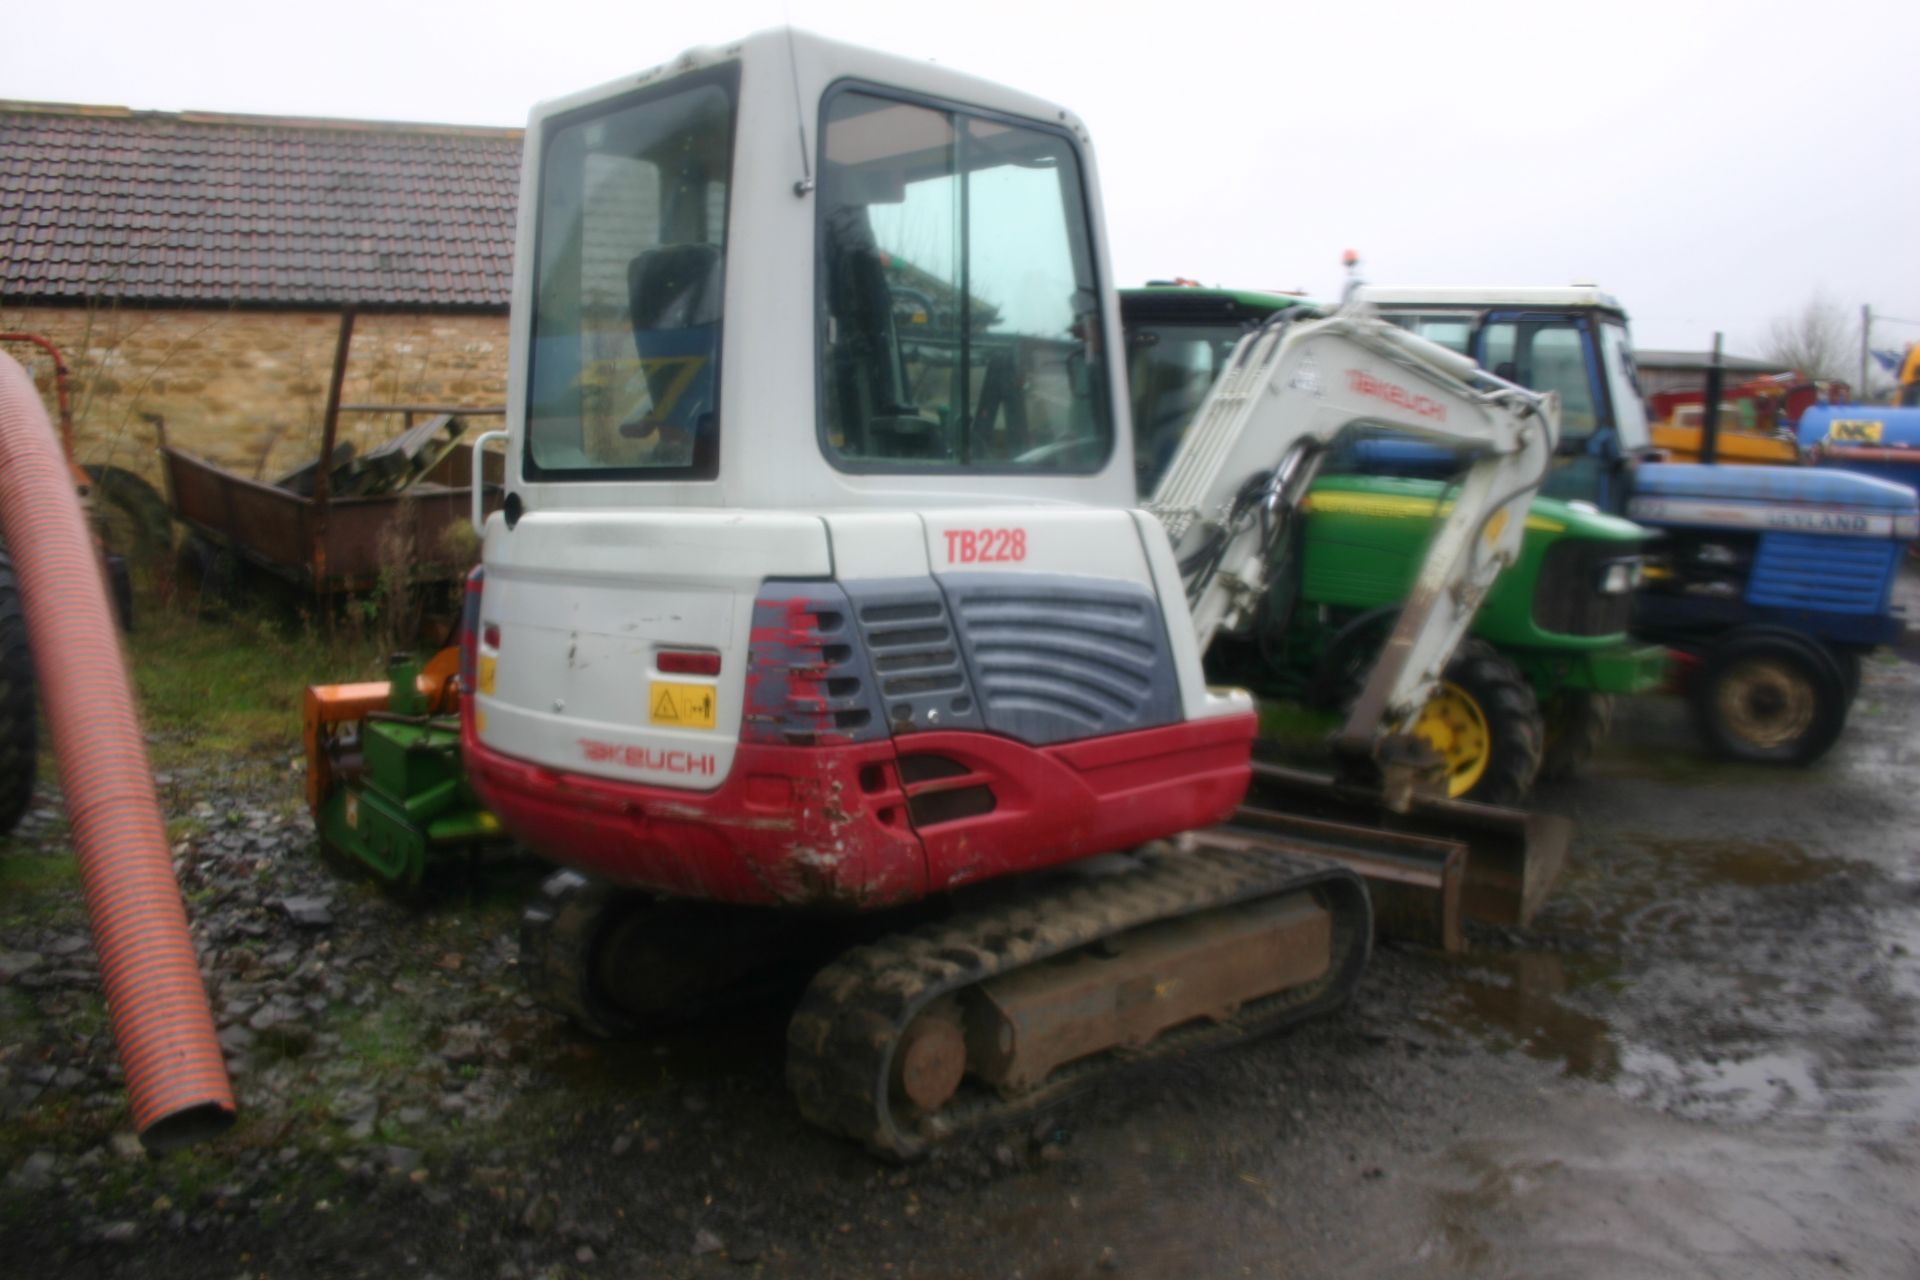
(807, 682)
(1059, 659)
(921, 675)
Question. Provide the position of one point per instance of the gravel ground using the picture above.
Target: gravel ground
(1700, 1061)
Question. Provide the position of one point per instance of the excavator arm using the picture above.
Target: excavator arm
(1290, 389)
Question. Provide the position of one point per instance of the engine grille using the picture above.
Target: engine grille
(1838, 575)
(920, 677)
(1568, 599)
(1056, 659)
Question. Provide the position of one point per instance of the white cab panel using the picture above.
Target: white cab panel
(584, 604)
(882, 545)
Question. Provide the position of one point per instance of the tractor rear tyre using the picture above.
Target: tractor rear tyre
(1769, 696)
(1848, 660)
(1484, 721)
(19, 735)
(1577, 722)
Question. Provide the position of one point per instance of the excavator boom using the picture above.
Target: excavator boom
(1290, 390)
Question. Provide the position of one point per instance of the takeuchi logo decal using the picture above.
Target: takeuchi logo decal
(1362, 383)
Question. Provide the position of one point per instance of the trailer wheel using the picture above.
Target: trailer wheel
(1577, 722)
(19, 734)
(1485, 722)
(1769, 696)
(136, 521)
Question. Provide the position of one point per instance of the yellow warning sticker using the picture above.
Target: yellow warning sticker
(1855, 431)
(680, 706)
(486, 674)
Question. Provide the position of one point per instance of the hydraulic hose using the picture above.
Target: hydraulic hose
(162, 1024)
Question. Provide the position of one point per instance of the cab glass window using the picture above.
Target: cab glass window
(1455, 333)
(630, 263)
(959, 313)
(1170, 369)
(1544, 356)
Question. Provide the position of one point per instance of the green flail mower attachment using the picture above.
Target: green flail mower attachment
(384, 776)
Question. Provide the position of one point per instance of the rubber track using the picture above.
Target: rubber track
(559, 931)
(840, 1042)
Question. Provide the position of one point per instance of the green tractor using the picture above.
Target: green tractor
(1529, 695)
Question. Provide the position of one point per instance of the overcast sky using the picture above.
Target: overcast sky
(1713, 164)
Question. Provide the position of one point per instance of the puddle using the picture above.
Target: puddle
(1517, 998)
(1637, 890)
(1750, 864)
(1721, 980)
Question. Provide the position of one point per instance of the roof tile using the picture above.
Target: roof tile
(158, 207)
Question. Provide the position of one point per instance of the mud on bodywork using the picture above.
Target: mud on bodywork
(808, 680)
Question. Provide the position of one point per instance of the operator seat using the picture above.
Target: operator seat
(674, 296)
(876, 419)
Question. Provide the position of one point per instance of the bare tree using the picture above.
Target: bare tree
(1819, 340)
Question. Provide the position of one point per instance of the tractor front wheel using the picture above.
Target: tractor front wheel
(1484, 722)
(1771, 697)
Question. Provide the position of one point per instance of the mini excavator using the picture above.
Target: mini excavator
(819, 593)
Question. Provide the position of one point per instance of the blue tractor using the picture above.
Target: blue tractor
(1769, 585)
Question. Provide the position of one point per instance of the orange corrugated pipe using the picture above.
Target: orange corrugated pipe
(162, 1025)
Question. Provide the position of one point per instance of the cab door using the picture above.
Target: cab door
(1556, 351)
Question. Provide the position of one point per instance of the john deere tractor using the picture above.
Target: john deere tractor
(1529, 696)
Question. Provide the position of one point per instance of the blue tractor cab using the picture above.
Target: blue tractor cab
(1770, 584)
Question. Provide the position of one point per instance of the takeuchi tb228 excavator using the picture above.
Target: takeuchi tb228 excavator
(819, 591)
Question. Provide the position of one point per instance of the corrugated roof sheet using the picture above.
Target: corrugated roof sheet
(104, 203)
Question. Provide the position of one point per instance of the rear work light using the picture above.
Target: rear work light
(688, 662)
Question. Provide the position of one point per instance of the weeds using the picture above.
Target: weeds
(233, 684)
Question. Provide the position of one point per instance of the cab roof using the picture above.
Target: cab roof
(1483, 296)
(1203, 302)
(813, 61)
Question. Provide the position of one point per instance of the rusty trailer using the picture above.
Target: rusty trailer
(336, 525)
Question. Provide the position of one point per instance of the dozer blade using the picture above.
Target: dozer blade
(1513, 857)
(1414, 881)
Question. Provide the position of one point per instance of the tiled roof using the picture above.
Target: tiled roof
(143, 206)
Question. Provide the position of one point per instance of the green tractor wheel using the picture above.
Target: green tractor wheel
(1577, 722)
(1484, 722)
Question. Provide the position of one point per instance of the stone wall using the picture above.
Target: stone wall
(248, 389)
